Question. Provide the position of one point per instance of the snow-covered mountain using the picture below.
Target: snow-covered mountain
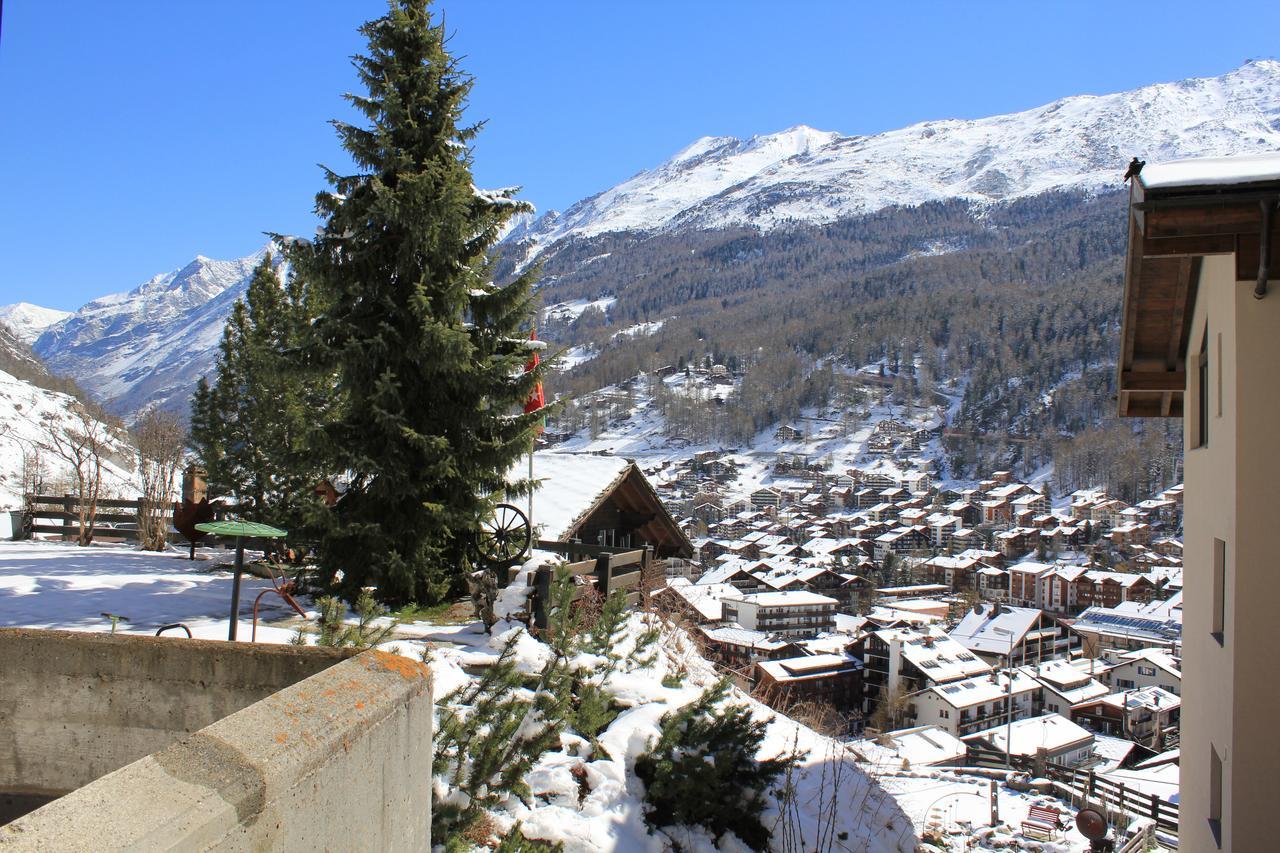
(807, 175)
(150, 345)
(28, 321)
(29, 409)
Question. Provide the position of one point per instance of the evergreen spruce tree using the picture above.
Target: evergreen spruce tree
(703, 770)
(428, 352)
(249, 428)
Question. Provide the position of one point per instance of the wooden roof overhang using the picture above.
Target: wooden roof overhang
(1170, 230)
(641, 509)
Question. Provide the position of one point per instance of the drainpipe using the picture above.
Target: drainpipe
(1264, 249)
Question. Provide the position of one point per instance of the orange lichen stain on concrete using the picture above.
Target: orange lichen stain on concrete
(402, 666)
(282, 737)
(359, 705)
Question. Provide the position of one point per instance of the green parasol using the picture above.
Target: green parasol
(240, 530)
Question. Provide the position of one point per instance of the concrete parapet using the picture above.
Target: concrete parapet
(340, 760)
(76, 705)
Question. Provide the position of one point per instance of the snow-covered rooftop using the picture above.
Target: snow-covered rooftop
(810, 666)
(797, 598)
(1212, 171)
(733, 635)
(920, 747)
(976, 691)
(1051, 732)
(569, 484)
(983, 631)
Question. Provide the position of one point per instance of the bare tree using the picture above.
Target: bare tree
(80, 443)
(34, 470)
(159, 444)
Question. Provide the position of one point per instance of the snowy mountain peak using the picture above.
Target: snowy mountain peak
(151, 344)
(28, 321)
(807, 175)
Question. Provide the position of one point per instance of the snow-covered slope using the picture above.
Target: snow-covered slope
(28, 321)
(150, 345)
(802, 174)
(27, 413)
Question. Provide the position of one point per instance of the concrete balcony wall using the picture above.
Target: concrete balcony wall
(242, 746)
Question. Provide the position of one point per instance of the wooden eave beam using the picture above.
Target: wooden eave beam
(1201, 221)
(1177, 247)
(1168, 380)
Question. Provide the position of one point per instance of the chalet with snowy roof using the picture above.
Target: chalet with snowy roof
(834, 680)
(740, 649)
(1032, 502)
(993, 583)
(1131, 625)
(735, 573)
(955, 573)
(1017, 541)
(785, 432)
(1150, 667)
(1146, 715)
(1063, 686)
(918, 746)
(975, 704)
(790, 614)
(696, 603)
(1050, 737)
(600, 500)
(900, 541)
(1021, 635)
(766, 497)
(902, 661)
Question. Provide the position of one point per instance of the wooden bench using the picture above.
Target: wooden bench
(1042, 822)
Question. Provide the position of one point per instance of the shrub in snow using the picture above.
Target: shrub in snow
(364, 634)
(492, 731)
(703, 770)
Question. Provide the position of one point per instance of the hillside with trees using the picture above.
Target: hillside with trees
(1012, 308)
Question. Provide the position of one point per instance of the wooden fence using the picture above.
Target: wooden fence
(59, 515)
(606, 571)
(1086, 786)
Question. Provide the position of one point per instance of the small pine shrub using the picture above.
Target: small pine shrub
(703, 770)
(335, 632)
(492, 731)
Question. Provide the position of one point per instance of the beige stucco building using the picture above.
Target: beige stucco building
(1201, 341)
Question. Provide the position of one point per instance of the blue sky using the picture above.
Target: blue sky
(136, 135)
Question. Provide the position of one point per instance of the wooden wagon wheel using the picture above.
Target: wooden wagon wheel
(504, 538)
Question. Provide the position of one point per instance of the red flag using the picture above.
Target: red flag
(536, 399)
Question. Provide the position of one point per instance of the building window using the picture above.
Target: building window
(1201, 438)
(1215, 795)
(1124, 683)
(1146, 670)
(1219, 591)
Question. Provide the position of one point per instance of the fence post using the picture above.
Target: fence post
(604, 566)
(1093, 784)
(66, 519)
(1155, 808)
(541, 593)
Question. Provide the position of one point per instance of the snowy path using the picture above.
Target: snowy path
(60, 585)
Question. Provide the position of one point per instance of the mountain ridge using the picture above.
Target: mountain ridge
(807, 175)
(150, 345)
